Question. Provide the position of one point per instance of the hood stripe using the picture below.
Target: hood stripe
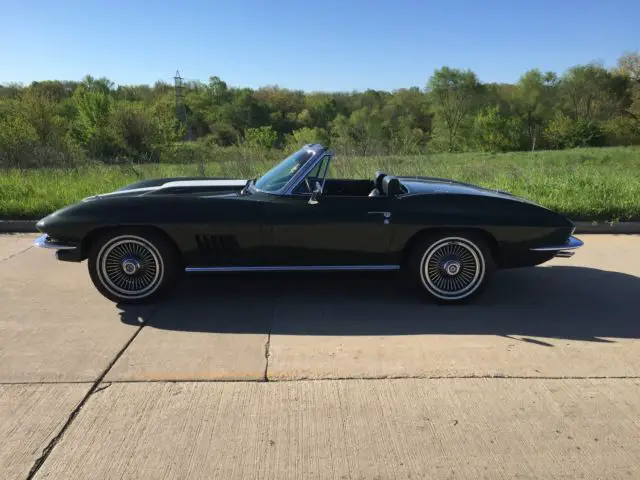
(180, 183)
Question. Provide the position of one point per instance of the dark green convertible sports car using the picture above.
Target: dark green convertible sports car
(445, 236)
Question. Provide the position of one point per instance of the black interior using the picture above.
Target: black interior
(378, 190)
(352, 188)
(391, 186)
(383, 185)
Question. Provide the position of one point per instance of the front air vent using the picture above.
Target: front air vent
(217, 244)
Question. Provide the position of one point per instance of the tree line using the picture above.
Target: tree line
(57, 123)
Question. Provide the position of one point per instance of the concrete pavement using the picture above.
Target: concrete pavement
(187, 352)
(178, 390)
(54, 326)
(356, 429)
(30, 417)
(13, 244)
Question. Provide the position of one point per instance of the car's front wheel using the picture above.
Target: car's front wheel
(451, 268)
(133, 265)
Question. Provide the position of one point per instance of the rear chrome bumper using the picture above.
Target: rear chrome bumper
(564, 250)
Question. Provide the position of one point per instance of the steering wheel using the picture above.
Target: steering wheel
(306, 181)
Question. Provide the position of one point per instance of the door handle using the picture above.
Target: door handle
(386, 214)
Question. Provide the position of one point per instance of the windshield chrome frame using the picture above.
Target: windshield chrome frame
(316, 161)
(319, 152)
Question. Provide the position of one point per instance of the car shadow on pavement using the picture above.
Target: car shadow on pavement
(554, 301)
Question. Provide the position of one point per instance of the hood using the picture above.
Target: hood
(154, 198)
(175, 186)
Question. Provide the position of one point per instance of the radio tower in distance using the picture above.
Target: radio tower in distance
(181, 109)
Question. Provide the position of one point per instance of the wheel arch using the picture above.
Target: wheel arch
(93, 235)
(419, 236)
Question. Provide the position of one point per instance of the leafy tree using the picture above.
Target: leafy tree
(306, 135)
(622, 130)
(39, 110)
(261, 137)
(143, 132)
(629, 64)
(10, 90)
(590, 92)
(341, 134)
(368, 131)
(534, 102)
(407, 139)
(53, 121)
(93, 128)
(18, 140)
(409, 108)
(629, 67)
(455, 94)
(497, 132)
(565, 132)
(319, 110)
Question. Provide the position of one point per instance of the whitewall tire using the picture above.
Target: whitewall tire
(451, 268)
(133, 266)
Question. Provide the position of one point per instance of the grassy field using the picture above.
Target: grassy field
(585, 184)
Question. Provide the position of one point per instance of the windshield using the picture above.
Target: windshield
(317, 174)
(278, 176)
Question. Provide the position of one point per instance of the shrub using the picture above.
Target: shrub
(564, 132)
(496, 132)
(260, 138)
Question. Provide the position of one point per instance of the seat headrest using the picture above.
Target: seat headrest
(379, 177)
(391, 186)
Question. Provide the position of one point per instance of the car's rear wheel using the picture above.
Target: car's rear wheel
(133, 265)
(451, 268)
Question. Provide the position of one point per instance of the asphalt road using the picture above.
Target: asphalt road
(340, 376)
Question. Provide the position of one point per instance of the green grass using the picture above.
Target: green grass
(584, 184)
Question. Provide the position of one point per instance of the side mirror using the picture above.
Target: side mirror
(317, 191)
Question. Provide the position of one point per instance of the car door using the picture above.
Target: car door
(336, 231)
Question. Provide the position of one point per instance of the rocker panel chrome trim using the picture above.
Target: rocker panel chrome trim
(293, 268)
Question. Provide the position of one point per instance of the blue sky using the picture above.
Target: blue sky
(321, 45)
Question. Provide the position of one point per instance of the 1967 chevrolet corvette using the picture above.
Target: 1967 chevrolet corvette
(446, 237)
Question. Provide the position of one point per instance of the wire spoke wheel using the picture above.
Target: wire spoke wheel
(130, 266)
(452, 268)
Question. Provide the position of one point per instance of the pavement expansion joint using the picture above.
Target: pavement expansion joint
(330, 379)
(15, 254)
(49, 382)
(94, 388)
(267, 348)
(382, 377)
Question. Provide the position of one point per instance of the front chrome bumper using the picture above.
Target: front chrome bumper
(565, 250)
(44, 241)
(65, 251)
